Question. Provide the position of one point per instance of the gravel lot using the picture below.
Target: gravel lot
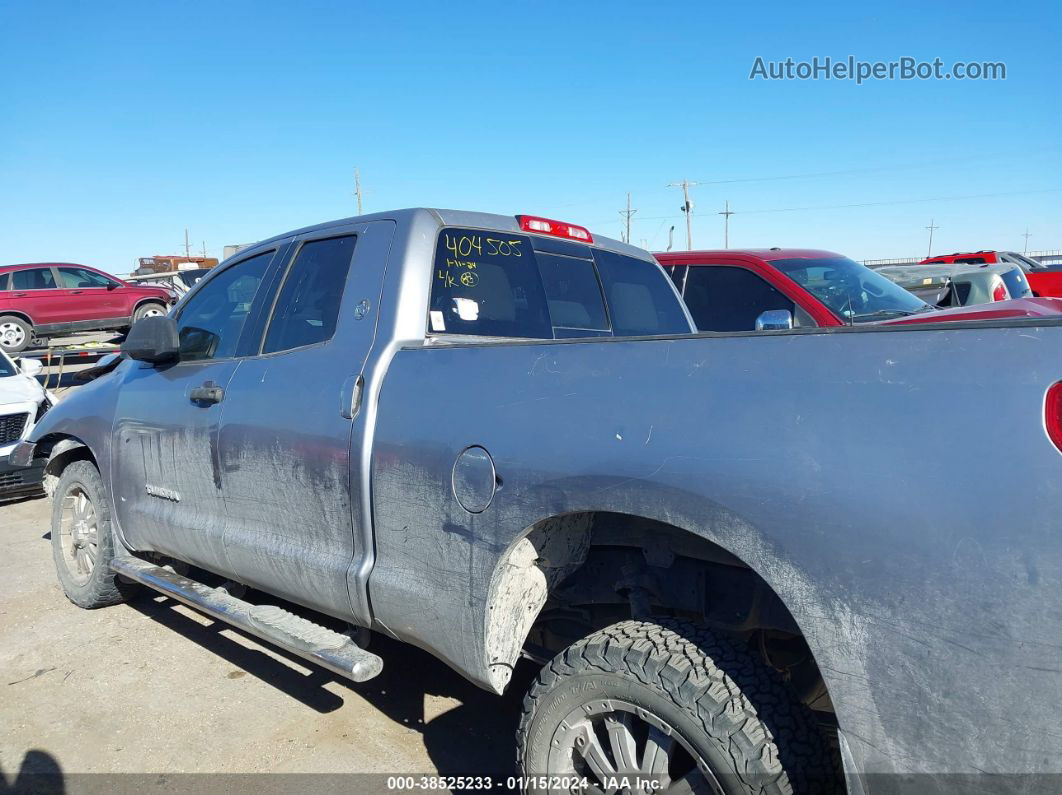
(152, 687)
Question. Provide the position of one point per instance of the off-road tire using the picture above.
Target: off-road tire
(148, 309)
(19, 323)
(735, 712)
(102, 586)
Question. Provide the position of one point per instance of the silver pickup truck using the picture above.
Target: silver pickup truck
(745, 562)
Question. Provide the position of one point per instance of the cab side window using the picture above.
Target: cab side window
(33, 279)
(308, 307)
(640, 300)
(723, 298)
(210, 324)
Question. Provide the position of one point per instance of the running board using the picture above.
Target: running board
(313, 642)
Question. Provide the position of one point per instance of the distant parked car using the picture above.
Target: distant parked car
(1045, 280)
(960, 284)
(44, 300)
(22, 402)
(764, 289)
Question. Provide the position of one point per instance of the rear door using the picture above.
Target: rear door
(38, 294)
(165, 470)
(292, 444)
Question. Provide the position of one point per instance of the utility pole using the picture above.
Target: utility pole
(726, 224)
(204, 249)
(187, 245)
(687, 207)
(627, 216)
(357, 188)
(1026, 236)
(931, 228)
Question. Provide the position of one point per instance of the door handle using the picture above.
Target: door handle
(76, 292)
(18, 295)
(350, 400)
(207, 393)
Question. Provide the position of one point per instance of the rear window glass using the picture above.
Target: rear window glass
(573, 293)
(487, 284)
(495, 284)
(1017, 285)
(640, 299)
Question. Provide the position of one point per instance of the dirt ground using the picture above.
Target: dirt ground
(154, 688)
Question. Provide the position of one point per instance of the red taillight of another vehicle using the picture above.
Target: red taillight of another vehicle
(999, 293)
(547, 226)
(1053, 414)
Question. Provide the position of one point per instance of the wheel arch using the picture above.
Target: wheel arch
(651, 554)
(62, 450)
(17, 313)
(149, 300)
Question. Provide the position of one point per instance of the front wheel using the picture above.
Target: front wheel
(150, 309)
(643, 707)
(15, 334)
(83, 540)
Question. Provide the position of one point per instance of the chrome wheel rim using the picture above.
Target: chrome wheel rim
(620, 747)
(79, 535)
(152, 311)
(11, 334)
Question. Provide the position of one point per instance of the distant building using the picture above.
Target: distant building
(231, 250)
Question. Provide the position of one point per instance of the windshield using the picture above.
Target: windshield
(1029, 263)
(852, 291)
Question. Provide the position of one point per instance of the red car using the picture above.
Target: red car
(1045, 280)
(46, 299)
(730, 290)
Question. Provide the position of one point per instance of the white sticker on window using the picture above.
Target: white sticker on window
(467, 308)
(437, 321)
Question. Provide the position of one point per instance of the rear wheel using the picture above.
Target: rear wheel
(83, 541)
(150, 309)
(15, 333)
(644, 707)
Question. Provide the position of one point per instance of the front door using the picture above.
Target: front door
(292, 484)
(165, 471)
(92, 295)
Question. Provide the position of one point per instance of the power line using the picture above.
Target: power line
(875, 204)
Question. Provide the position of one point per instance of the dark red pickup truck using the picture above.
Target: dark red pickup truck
(1045, 280)
(731, 289)
(45, 299)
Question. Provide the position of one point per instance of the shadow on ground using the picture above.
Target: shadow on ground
(475, 738)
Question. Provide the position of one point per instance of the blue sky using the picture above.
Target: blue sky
(123, 123)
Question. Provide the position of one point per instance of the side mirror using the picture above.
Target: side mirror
(30, 367)
(153, 340)
(774, 320)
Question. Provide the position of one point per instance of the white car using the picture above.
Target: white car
(22, 402)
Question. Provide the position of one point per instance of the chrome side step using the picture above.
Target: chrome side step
(311, 641)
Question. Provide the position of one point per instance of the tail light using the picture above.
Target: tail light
(999, 292)
(547, 226)
(1053, 414)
